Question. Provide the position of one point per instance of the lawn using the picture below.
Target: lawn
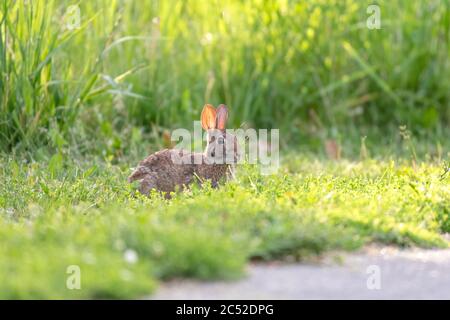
(86, 215)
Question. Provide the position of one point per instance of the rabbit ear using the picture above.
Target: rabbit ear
(208, 117)
(222, 117)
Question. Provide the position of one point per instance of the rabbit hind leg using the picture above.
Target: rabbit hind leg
(147, 184)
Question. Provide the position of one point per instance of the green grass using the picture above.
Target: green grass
(310, 68)
(80, 213)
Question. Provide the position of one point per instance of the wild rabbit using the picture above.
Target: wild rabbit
(163, 170)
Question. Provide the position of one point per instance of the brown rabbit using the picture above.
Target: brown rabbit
(159, 171)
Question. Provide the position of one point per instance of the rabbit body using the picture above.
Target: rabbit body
(159, 171)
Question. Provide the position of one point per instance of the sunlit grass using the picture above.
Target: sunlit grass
(307, 67)
(87, 215)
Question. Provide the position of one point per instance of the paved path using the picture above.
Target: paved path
(404, 274)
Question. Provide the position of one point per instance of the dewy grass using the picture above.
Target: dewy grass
(87, 216)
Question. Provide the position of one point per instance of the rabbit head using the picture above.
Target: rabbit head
(222, 147)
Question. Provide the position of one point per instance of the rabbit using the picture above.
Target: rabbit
(159, 172)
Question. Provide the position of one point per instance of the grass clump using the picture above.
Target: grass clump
(88, 216)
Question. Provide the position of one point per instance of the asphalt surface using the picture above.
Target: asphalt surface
(374, 273)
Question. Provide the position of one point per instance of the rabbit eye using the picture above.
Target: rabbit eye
(220, 140)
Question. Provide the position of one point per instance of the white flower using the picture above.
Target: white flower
(130, 256)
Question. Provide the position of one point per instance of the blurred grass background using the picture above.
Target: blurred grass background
(135, 69)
